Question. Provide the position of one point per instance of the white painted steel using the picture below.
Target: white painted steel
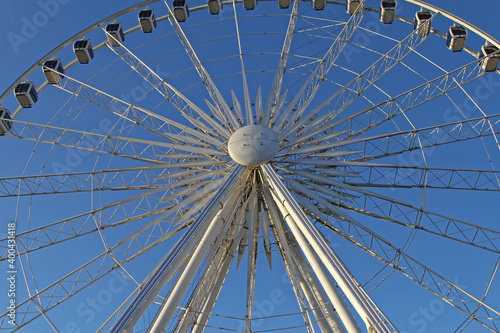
(253, 145)
(319, 269)
(202, 247)
(322, 175)
(172, 263)
(302, 229)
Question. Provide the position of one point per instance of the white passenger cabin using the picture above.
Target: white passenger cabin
(147, 20)
(249, 4)
(214, 6)
(284, 4)
(351, 6)
(181, 10)
(455, 39)
(387, 11)
(26, 94)
(83, 51)
(115, 34)
(422, 23)
(53, 70)
(5, 124)
(489, 64)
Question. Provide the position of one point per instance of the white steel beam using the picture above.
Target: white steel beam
(306, 94)
(253, 232)
(212, 89)
(306, 234)
(275, 92)
(175, 258)
(232, 247)
(283, 244)
(323, 311)
(338, 302)
(170, 306)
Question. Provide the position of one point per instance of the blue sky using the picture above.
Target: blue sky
(70, 16)
(29, 29)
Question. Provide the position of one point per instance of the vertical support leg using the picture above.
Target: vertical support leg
(192, 266)
(310, 241)
(174, 260)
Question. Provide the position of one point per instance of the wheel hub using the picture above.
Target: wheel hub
(253, 145)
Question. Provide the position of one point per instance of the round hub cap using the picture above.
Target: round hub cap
(253, 145)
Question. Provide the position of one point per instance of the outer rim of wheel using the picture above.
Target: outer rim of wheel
(71, 40)
(128, 31)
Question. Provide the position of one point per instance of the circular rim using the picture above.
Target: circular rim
(52, 53)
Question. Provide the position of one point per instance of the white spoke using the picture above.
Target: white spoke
(383, 145)
(128, 147)
(134, 114)
(179, 101)
(380, 146)
(381, 112)
(141, 154)
(442, 178)
(220, 103)
(274, 94)
(248, 106)
(307, 92)
(173, 261)
(347, 94)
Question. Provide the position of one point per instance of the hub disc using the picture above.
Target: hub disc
(253, 145)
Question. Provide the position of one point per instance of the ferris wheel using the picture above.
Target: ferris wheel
(244, 166)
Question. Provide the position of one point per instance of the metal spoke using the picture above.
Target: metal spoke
(246, 94)
(81, 140)
(427, 278)
(384, 145)
(78, 182)
(79, 279)
(304, 97)
(178, 100)
(405, 214)
(274, 94)
(151, 121)
(342, 98)
(224, 112)
(402, 176)
(364, 120)
(125, 211)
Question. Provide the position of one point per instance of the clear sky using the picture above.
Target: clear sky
(70, 16)
(30, 29)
